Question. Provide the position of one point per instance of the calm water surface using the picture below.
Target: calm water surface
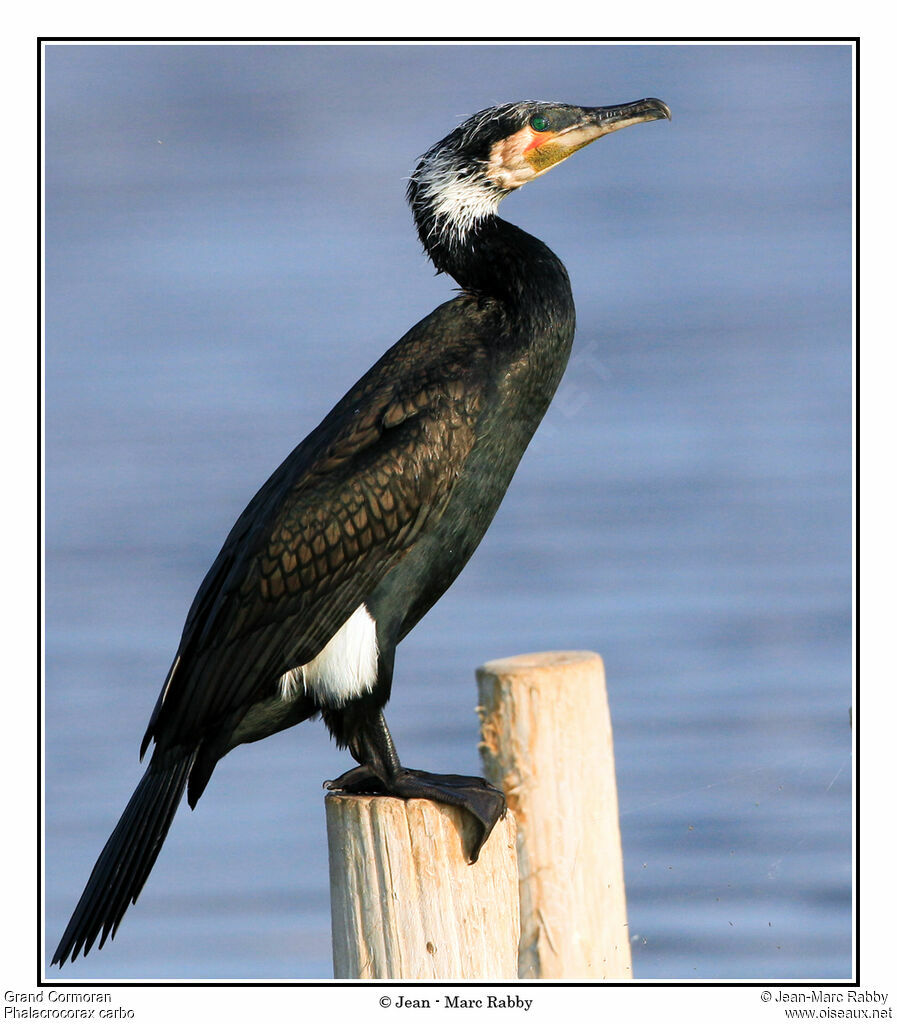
(228, 249)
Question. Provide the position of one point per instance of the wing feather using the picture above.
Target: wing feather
(324, 530)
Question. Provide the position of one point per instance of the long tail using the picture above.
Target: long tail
(127, 858)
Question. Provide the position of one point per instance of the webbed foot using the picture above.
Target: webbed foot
(479, 798)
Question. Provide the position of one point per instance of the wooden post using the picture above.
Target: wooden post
(404, 901)
(547, 742)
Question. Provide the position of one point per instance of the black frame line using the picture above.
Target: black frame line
(41, 983)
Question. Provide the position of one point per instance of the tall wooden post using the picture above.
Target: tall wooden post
(547, 742)
(404, 901)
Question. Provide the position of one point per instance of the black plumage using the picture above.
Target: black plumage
(368, 521)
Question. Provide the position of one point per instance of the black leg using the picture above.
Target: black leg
(380, 772)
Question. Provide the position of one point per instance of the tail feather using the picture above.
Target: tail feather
(127, 858)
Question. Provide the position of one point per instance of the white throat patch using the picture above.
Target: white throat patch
(458, 201)
(345, 668)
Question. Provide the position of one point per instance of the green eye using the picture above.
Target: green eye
(539, 123)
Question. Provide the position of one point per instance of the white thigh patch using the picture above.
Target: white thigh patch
(346, 668)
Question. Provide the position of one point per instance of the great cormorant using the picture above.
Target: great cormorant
(368, 521)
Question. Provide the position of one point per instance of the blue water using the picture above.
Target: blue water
(227, 248)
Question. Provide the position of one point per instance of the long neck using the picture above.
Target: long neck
(536, 320)
(495, 259)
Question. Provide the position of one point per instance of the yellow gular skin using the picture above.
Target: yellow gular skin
(558, 146)
(527, 153)
(554, 149)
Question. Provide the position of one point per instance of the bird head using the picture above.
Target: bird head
(462, 179)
